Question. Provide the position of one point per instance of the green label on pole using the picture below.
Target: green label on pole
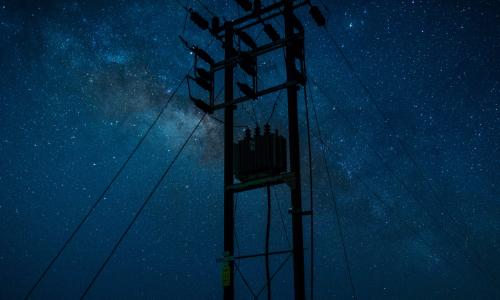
(226, 274)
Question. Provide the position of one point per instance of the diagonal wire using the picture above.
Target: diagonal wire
(144, 204)
(245, 281)
(460, 227)
(337, 214)
(219, 120)
(274, 274)
(311, 198)
(471, 260)
(282, 219)
(236, 265)
(101, 196)
(392, 211)
(268, 235)
(108, 187)
(235, 209)
(275, 104)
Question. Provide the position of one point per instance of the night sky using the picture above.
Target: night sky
(414, 164)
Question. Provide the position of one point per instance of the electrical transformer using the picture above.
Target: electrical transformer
(260, 155)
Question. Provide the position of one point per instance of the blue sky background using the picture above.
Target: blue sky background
(82, 81)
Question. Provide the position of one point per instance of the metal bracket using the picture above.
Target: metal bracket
(261, 182)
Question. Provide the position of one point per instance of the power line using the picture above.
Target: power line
(268, 234)
(236, 265)
(393, 212)
(245, 281)
(311, 198)
(461, 227)
(275, 104)
(213, 117)
(282, 219)
(101, 196)
(334, 200)
(137, 214)
(283, 263)
(474, 263)
(235, 210)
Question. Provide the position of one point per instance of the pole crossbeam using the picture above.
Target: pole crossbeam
(258, 51)
(257, 95)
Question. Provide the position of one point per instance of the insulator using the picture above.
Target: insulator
(245, 89)
(245, 4)
(297, 24)
(247, 39)
(317, 16)
(203, 55)
(215, 25)
(271, 32)
(248, 64)
(184, 42)
(203, 74)
(199, 20)
(203, 83)
(267, 129)
(257, 130)
(202, 105)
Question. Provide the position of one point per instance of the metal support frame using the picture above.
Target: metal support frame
(292, 177)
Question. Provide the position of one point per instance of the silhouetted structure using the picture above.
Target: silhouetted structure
(257, 161)
(259, 156)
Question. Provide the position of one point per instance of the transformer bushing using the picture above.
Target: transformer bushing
(260, 155)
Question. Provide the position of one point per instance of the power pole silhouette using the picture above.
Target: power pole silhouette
(277, 172)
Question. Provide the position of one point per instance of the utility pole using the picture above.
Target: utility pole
(293, 136)
(228, 267)
(259, 161)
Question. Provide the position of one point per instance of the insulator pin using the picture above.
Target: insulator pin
(271, 32)
(245, 89)
(203, 55)
(317, 15)
(199, 20)
(247, 39)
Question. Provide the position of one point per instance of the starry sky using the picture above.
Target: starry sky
(413, 162)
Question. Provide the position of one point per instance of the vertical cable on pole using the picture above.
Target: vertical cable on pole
(268, 233)
(311, 196)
